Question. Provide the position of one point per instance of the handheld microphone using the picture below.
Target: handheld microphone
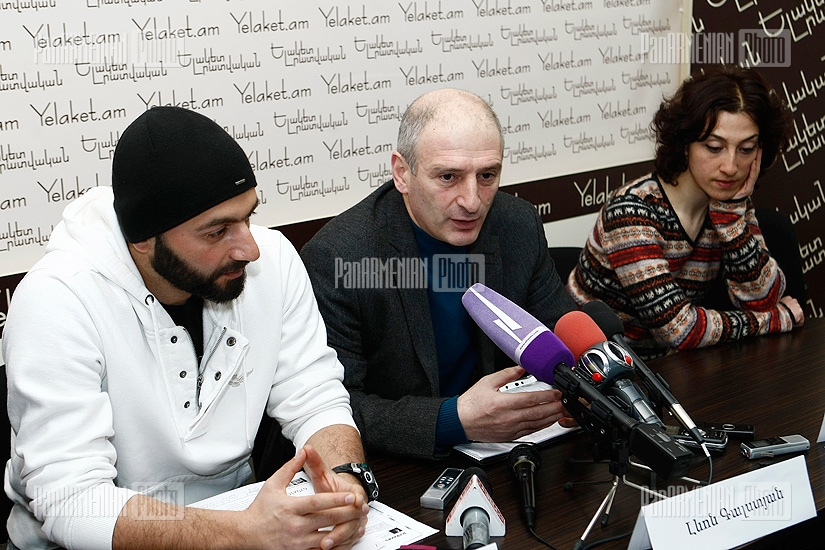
(613, 327)
(475, 517)
(605, 364)
(522, 337)
(524, 460)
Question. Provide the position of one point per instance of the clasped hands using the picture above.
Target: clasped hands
(299, 522)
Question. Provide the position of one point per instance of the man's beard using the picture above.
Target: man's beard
(182, 276)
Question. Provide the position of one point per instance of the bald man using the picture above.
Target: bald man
(389, 274)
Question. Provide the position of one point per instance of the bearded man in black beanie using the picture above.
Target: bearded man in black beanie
(143, 349)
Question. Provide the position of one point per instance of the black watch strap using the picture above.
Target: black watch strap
(362, 471)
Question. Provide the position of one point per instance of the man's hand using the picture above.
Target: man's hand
(283, 521)
(492, 416)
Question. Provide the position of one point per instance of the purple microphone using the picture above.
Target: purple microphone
(518, 334)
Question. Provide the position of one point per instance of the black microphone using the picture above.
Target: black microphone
(613, 328)
(475, 516)
(524, 460)
(649, 442)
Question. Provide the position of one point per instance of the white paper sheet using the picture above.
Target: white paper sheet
(387, 529)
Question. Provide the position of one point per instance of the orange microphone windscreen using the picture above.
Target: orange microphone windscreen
(578, 332)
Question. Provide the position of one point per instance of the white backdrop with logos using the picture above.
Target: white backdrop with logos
(313, 90)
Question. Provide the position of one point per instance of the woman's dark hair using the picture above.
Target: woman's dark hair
(691, 115)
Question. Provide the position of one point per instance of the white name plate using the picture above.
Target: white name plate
(728, 513)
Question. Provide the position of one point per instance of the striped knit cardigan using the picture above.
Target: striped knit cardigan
(640, 261)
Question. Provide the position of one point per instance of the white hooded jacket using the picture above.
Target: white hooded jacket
(102, 384)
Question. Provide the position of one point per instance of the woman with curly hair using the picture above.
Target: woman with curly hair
(662, 241)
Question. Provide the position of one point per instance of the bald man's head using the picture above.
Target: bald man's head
(445, 108)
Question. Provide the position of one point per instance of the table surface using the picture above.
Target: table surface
(776, 383)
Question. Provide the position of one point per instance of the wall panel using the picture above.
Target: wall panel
(795, 65)
(313, 92)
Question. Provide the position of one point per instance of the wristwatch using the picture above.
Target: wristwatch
(362, 472)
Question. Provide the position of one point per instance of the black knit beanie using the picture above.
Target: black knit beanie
(170, 165)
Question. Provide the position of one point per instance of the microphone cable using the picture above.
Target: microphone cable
(524, 461)
(541, 540)
(599, 542)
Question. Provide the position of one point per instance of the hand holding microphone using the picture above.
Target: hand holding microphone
(490, 415)
(530, 344)
(526, 342)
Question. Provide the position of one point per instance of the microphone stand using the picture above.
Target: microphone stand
(607, 439)
(619, 465)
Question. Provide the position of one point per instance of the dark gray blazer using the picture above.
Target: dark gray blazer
(384, 336)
